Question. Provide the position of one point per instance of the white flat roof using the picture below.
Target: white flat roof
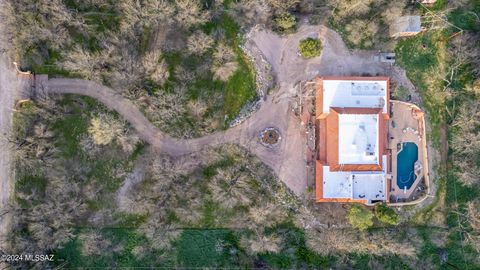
(358, 139)
(370, 186)
(337, 185)
(354, 94)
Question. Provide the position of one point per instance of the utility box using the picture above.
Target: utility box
(385, 57)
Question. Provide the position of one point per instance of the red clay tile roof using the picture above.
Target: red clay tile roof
(327, 145)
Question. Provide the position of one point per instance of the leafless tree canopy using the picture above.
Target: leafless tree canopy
(53, 191)
(466, 143)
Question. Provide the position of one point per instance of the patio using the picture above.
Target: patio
(407, 126)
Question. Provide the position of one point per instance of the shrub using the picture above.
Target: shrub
(94, 244)
(279, 5)
(261, 243)
(225, 71)
(199, 43)
(401, 93)
(155, 68)
(310, 47)
(284, 23)
(386, 214)
(360, 218)
(224, 63)
(189, 13)
(104, 128)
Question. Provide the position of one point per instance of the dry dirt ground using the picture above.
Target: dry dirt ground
(287, 159)
(6, 104)
(10, 89)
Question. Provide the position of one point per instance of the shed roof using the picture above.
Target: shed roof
(410, 24)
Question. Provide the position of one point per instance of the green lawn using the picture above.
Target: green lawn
(70, 255)
(240, 89)
(207, 248)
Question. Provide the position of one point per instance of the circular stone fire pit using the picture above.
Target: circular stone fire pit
(270, 137)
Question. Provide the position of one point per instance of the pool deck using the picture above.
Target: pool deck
(407, 124)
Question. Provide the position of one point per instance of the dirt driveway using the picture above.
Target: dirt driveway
(10, 86)
(6, 105)
(288, 158)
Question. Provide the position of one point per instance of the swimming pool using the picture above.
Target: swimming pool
(406, 159)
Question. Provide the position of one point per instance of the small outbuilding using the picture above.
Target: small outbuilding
(405, 26)
(429, 2)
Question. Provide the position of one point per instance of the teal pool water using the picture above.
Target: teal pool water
(406, 159)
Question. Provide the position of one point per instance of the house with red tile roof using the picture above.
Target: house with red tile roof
(352, 163)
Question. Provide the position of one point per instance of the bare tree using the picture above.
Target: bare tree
(104, 128)
(282, 5)
(259, 242)
(155, 67)
(267, 215)
(189, 12)
(93, 243)
(249, 13)
(199, 42)
(225, 71)
(466, 142)
(338, 241)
